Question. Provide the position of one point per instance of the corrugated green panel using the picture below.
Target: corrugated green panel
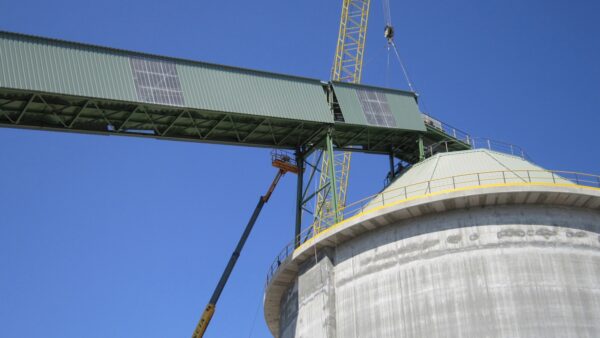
(255, 93)
(349, 104)
(67, 68)
(50, 66)
(403, 106)
(406, 111)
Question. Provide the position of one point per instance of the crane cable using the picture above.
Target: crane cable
(410, 85)
(389, 35)
(387, 67)
(386, 12)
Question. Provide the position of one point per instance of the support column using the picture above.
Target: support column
(299, 188)
(332, 180)
(421, 148)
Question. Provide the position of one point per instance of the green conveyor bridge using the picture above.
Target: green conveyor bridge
(56, 85)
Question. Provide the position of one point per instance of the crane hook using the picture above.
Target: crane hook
(388, 32)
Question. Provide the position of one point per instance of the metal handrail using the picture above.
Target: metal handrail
(470, 180)
(446, 128)
(504, 147)
(464, 137)
(479, 143)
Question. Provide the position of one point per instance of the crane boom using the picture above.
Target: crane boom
(284, 164)
(347, 67)
(349, 53)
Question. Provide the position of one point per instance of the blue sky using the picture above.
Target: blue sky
(124, 237)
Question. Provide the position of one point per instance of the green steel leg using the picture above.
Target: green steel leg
(299, 197)
(332, 180)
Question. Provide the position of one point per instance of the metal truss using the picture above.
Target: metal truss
(39, 111)
(337, 165)
(19, 109)
(348, 62)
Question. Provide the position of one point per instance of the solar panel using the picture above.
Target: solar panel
(156, 81)
(376, 108)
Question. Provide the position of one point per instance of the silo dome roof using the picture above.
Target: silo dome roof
(463, 169)
(456, 163)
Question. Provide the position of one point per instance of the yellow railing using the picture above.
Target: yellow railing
(441, 185)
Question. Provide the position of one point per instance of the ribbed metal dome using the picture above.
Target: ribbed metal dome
(463, 169)
(456, 163)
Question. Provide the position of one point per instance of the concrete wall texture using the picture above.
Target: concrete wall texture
(499, 271)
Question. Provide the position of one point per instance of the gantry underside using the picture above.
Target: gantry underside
(43, 111)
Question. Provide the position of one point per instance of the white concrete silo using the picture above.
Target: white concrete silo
(464, 244)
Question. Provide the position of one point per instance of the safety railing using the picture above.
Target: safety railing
(503, 147)
(478, 143)
(446, 128)
(421, 189)
(461, 136)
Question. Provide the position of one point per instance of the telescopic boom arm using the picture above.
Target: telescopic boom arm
(284, 164)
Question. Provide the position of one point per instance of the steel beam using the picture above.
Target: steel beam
(332, 176)
(299, 188)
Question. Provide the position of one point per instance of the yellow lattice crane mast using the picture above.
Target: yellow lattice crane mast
(347, 67)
